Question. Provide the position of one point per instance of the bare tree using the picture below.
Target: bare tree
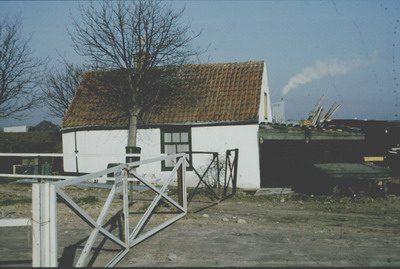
(60, 87)
(20, 72)
(144, 40)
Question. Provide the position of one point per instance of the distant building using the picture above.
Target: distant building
(45, 126)
(16, 129)
(278, 112)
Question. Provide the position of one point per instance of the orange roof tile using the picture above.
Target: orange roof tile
(223, 92)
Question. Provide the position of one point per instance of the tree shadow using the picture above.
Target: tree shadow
(12, 262)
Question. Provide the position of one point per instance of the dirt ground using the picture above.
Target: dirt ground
(281, 230)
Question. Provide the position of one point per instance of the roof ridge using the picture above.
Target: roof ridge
(200, 64)
(231, 63)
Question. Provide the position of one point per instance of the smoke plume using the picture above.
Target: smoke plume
(332, 67)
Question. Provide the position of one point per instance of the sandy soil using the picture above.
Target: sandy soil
(246, 230)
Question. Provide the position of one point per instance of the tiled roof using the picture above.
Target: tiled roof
(223, 92)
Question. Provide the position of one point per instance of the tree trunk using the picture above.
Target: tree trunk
(132, 134)
(132, 131)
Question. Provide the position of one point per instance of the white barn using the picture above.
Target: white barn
(223, 110)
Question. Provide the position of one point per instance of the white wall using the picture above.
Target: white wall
(218, 139)
(106, 142)
(243, 137)
(265, 89)
(93, 142)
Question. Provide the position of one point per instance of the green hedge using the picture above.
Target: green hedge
(31, 142)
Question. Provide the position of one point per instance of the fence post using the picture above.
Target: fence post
(180, 182)
(44, 225)
(183, 183)
(125, 195)
(235, 164)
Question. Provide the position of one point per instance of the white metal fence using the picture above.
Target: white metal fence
(44, 209)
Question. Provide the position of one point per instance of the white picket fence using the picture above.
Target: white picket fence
(44, 208)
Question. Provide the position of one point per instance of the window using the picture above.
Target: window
(174, 141)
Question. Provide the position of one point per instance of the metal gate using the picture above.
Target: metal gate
(44, 211)
(227, 188)
(231, 168)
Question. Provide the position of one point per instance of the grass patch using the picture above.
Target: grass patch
(87, 200)
(14, 202)
(82, 200)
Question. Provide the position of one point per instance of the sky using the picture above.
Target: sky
(345, 50)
